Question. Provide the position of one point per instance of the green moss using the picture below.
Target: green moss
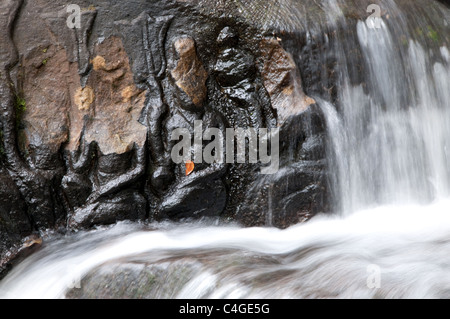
(44, 62)
(21, 107)
(432, 34)
(21, 103)
(404, 40)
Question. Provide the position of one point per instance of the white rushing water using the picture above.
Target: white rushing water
(389, 156)
(386, 252)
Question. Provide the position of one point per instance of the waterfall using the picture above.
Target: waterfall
(386, 152)
(389, 170)
(389, 141)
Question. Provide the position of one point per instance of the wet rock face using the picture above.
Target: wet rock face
(116, 102)
(87, 116)
(282, 80)
(189, 74)
(14, 222)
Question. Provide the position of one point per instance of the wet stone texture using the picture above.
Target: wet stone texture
(135, 281)
(87, 116)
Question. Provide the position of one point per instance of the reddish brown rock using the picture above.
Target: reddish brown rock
(56, 104)
(47, 80)
(189, 74)
(282, 81)
(116, 101)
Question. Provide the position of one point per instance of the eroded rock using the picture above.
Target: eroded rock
(84, 97)
(14, 221)
(282, 80)
(189, 74)
(298, 190)
(96, 108)
(47, 79)
(117, 102)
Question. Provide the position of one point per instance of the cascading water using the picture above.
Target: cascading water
(390, 142)
(389, 162)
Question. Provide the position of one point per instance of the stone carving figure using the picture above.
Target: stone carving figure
(110, 193)
(101, 185)
(75, 40)
(36, 185)
(76, 183)
(236, 74)
(202, 193)
(175, 99)
(103, 188)
(105, 172)
(153, 38)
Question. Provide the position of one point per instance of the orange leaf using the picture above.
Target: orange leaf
(189, 167)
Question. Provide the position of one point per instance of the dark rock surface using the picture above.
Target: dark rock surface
(87, 116)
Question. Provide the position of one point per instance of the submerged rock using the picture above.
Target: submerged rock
(135, 281)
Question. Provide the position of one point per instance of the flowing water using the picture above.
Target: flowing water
(389, 160)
